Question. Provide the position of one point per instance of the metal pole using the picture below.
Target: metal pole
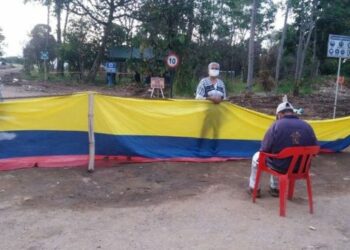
(45, 70)
(91, 166)
(336, 89)
(172, 76)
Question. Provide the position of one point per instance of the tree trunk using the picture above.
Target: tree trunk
(251, 47)
(101, 52)
(280, 49)
(303, 54)
(190, 28)
(58, 10)
(314, 58)
(297, 63)
(100, 55)
(305, 28)
(317, 68)
(66, 23)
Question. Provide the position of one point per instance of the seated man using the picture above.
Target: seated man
(287, 131)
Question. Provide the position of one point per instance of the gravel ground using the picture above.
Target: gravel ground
(171, 206)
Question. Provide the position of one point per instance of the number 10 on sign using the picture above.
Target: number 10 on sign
(172, 60)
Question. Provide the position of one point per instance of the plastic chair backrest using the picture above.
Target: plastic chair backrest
(301, 156)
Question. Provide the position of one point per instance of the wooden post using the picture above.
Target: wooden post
(91, 166)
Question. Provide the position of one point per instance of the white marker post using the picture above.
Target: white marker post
(336, 89)
(339, 47)
(91, 133)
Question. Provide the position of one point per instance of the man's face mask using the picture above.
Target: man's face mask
(214, 72)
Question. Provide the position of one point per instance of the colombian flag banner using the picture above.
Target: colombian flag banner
(44, 132)
(53, 131)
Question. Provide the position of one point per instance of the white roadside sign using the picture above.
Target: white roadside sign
(338, 46)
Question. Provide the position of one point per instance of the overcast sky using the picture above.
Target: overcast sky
(18, 19)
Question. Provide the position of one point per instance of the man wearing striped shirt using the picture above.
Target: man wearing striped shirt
(211, 88)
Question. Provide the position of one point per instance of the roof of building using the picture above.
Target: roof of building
(131, 53)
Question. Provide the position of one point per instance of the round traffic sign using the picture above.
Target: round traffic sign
(172, 60)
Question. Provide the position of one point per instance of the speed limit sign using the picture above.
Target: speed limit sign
(172, 60)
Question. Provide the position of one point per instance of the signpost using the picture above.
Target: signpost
(172, 61)
(111, 71)
(338, 47)
(44, 55)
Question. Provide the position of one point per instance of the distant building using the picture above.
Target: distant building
(121, 54)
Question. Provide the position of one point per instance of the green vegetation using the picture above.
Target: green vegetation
(199, 32)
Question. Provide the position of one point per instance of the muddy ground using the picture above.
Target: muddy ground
(170, 205)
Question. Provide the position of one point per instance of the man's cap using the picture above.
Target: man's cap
(284, 106)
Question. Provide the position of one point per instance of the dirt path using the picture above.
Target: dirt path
(170, 206)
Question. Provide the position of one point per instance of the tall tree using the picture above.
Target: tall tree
(2, 38)
(58, 6)
(39, 40)
(103, 13)
(169, 25)
(306, 20)
(81, 46)
(281, 45)
(251, 45)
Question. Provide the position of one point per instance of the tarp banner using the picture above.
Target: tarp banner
(48, 131)
(53, 131)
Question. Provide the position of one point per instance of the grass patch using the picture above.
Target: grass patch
(66, 78)
(307, 86)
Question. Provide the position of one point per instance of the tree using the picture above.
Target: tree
(80, 47)
(251, 46)
(306, 20)
(40, 40)
(169, 26)
(280, 48)
(2, 38)
(58, 6)
(103, 13)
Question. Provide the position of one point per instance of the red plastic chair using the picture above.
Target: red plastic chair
(305, 154)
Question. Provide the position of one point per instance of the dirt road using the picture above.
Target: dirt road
(170, 206)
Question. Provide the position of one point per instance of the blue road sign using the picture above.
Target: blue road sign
(44, 55)
(111, 67)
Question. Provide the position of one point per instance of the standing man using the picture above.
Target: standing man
(211, 88)
(287, 131)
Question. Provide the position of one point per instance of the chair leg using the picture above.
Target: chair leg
(283, 192)
(256, 186)
(291, 188)
(309, 192)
